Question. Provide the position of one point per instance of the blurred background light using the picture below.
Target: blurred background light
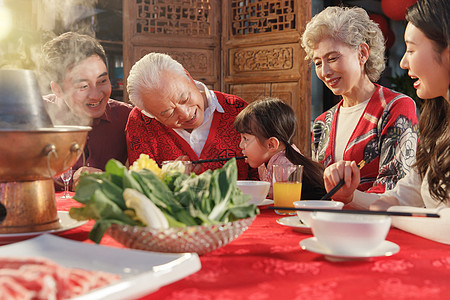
(5, 21)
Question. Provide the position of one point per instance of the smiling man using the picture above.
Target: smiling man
(77, 70)
(176, 116)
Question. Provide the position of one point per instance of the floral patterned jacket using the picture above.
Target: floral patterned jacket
(386, 137)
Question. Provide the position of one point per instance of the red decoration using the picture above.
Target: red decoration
(381, 21)
(390, 39)
(396, 9)
(388, 34)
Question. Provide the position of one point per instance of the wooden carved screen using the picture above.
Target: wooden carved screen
(263, 56)
(188, 30)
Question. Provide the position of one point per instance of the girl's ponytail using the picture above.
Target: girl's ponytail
(313, 186)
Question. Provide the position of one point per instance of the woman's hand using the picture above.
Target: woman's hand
(334, 173)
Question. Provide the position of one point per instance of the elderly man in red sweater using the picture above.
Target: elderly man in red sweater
(175, 116)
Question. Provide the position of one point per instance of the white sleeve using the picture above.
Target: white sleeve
(435, 229)
(407, 192)
(362, 200)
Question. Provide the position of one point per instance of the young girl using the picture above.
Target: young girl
(267, 127)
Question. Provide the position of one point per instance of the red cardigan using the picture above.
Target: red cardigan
(386, 137)
(149, 136)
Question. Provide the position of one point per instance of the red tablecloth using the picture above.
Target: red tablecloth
(266, 262)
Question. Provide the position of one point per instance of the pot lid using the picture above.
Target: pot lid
(21, 103)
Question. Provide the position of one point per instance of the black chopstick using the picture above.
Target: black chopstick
(217, 159)
(340, 184)
(362, 212)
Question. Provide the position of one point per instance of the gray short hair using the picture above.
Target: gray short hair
(146, 72)
(351, 26)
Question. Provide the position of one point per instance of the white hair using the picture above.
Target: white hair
(146, 74)
(352, 26)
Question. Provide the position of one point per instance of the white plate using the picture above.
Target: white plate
(385, 249)
(265, 202)
(142, 272)
(295, 223)
(65, 221)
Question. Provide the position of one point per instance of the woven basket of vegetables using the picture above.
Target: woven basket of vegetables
(164, 210)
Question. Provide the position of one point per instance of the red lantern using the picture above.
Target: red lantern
(381, 21)
(396, 9)
(390, 39)
(388, 34)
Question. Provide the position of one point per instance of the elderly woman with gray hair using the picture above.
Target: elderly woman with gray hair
(370, 123)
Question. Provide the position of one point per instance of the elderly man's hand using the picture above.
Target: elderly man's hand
(343, 169)
(77, 174)
(196, 168)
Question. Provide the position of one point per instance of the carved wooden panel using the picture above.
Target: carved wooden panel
(268, 63)
(188, 30)
(289, 92)
(176, 17)
(200, 63)
(257, 59)
(263, 57)
(250, 17)
(251, 92)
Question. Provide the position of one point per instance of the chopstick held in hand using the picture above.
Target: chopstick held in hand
(340, 184)
(217, 159)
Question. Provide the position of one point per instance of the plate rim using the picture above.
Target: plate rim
(303, 226)
(265, 202)
(63, 216)
(173, 267)
(327, 253)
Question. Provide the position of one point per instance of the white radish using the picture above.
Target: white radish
(145, 209)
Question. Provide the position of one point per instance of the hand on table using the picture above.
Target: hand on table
(342, 169)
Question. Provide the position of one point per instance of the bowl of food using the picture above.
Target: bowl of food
(164, 209)
(256, 189)
(349, 234)
(305, 216)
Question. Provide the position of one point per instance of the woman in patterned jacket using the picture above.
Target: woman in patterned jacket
(427, 59)
(370, 123)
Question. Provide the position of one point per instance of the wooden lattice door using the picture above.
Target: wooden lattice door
(188, 30)
(263, 57)
(250, 48)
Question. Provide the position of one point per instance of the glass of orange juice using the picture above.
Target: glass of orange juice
(287, 186)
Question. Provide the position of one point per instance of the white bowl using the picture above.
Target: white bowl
(305, 216)
(256, 189)
(349, 234)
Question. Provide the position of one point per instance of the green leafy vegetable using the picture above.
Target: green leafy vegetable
(185, 200)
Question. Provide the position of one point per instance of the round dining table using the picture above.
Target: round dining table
(267, 262)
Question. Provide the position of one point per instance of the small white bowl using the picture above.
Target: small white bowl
(349, 234)
(305, 216)
(256, 189)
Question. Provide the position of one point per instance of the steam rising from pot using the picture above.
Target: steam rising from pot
(22, 48)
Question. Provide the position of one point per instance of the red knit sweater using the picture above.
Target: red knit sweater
(149, 136)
